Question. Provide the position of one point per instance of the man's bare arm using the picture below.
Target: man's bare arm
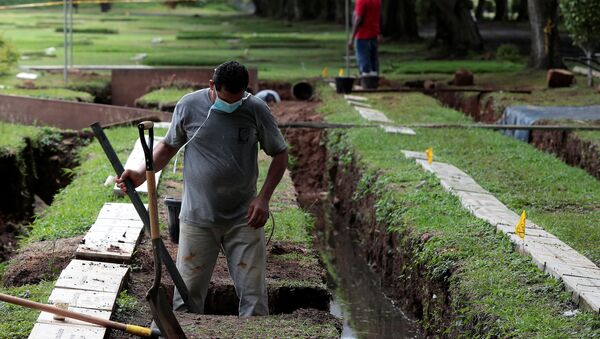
(161, 155)
(258, 212)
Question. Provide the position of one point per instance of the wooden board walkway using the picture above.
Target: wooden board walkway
(91, 285)
(136, 157)
(579, 274)
(88, 287)
(114, 235)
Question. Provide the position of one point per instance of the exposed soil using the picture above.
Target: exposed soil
(309, 173)
(566, 145)
(39, 261)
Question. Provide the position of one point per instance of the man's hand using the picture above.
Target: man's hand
(258, 212)
(136, 177)
(351, 44)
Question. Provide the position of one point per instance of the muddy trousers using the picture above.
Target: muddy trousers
(244, 248)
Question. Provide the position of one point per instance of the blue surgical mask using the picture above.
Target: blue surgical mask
(224, 106)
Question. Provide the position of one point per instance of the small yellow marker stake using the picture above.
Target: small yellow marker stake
(325, 72)
(429, 153)
(341, 72)
(520, 229)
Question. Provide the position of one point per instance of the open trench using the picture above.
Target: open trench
(32, 176)
(371, 271)
(566, 145)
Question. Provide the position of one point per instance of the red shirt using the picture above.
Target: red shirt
(370, 11)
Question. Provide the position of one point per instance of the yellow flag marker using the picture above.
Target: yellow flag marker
(520, 229)
(325, 72)
(429, 153)
(341, 72)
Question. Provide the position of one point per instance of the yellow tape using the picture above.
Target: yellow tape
(138, 330)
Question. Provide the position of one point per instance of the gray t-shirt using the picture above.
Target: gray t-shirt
(220, 164)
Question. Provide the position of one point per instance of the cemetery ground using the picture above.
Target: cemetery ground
(453, 273)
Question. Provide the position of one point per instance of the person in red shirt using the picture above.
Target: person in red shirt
(366, 29)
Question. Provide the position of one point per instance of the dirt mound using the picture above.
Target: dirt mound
(39, 261)
(306, 148)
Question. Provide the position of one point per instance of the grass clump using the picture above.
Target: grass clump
(75, 208)
(17, 321)
(50, 93)
(12, 136)
(493, 290)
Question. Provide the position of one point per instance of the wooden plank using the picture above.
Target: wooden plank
(48, 318)
(135, 159)
(46, 331)
(83, 298)
(99, 249)
(110, 222)
(121, 211)
(93, 276)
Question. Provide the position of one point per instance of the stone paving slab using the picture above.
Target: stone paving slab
(372, 115)
(398, 130)
(359, 104)
(579, 274)
(136, 157)
(355, 97)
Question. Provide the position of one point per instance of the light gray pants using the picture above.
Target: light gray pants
(244, 249)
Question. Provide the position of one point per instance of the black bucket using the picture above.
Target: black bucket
(173, 209)
(302, 91)
(344, 84)
(369, 81)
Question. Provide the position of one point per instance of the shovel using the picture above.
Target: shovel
(127, 328)
(162, 311)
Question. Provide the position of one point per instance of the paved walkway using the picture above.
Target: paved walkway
(579, 274)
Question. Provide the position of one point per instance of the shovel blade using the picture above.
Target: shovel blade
(162, 313)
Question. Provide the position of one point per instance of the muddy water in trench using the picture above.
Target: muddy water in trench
(367, 312)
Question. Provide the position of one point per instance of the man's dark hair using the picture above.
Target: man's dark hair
(232, 76)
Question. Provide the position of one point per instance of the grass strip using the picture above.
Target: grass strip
(494, 291)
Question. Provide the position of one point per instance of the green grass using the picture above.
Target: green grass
(493, 288)
(164, 96)
(51, 93)
(450, 66)
(280, 50)
(75, 208)
(275, 326)
(13, 135)
(18, 321)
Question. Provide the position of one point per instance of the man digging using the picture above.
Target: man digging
(220, 128)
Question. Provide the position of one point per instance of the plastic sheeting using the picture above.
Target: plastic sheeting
(528, 115)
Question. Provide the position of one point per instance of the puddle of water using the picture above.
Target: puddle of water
(360, 301)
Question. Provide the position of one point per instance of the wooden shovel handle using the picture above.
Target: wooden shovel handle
(132, 329)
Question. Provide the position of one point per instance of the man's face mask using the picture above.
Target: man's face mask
(226, 107)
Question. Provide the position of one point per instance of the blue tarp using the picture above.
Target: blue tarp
(528, 115)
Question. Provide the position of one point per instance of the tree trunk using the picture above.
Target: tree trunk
(589, 55)
(480, 9)
(400, 20)
(501, 10)
(456, 27)
(543, 17)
